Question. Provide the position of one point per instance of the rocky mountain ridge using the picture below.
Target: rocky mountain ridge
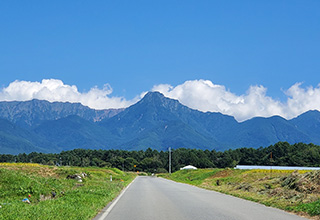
(155, 121)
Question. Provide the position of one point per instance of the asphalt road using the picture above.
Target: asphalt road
(151, 198)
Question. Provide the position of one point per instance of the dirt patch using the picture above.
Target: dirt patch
(207, 183)
(221, 174)
(46, 171)
(42, 171)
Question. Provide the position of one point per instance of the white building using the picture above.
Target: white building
(189, 167)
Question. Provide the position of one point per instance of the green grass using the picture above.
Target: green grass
(312, 208)
(73, 200)
(194, 177)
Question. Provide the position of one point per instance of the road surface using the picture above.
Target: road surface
(152, 198)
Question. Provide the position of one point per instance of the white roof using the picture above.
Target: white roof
(189, 167)
(245, 167)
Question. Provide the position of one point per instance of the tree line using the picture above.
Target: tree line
(279, 154)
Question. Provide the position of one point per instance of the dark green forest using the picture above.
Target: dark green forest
(280, 154)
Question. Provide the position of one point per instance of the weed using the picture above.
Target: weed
(312, 208)
(71, 200)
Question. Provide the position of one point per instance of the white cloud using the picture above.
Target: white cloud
(55, 90)
(301, 100)
(202, 95)
(205, 96)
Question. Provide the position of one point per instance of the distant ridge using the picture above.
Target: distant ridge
(34, 112)
(155, 121)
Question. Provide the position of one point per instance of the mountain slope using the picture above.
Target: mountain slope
(155, 121)
(158, 122)
(14, 140)
(309, 123)
(142, 124)
(170, 134)
(33, 113)
(267, 131)
(75, 132)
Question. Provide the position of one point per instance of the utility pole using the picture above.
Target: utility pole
(169, 160)
(271, 164)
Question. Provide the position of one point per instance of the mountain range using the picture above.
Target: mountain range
(155, 121)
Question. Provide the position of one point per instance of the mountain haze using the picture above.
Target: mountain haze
(155, 121)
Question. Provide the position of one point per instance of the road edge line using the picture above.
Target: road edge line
(106, 212)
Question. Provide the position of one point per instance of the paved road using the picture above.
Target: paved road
(151, 198)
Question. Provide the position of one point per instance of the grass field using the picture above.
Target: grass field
(52, 195)
(296, 191)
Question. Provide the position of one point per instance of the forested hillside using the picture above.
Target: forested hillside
(283, 154)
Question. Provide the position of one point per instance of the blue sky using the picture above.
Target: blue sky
(135, 46)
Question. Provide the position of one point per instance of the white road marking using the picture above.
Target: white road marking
(106, 213)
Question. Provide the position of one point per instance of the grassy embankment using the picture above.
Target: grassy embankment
(72, 200)
(297, 191)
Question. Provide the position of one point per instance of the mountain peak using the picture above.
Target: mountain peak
(153, 96)
(155, 121)
(310, 116)
(158, 100)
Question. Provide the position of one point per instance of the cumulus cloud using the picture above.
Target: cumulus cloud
(55, 90)
(205, 96)
(301, 100)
